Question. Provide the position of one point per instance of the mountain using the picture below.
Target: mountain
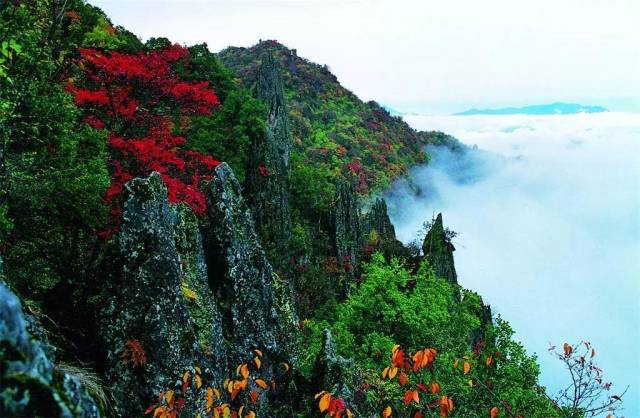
(195, 234)
(545, 109)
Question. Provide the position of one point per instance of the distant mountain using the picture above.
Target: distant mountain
(545, 109)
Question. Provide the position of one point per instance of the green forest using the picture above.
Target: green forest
(202, 234)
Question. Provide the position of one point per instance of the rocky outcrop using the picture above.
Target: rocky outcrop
(438, 251)
(30, 384)
(257, 313)
(162, 317)
(335, 373)
(268, 175)
(377, 219)
(347, 229)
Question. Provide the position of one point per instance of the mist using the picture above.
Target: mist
(548, 215)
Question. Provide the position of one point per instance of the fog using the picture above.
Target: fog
(548, 216)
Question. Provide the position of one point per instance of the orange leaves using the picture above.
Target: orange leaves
(411, 395)
(488, 361)
(567, 349)
(232, 401)
(493, 412)
(466, 368)
(386, 412)
(393, 372)
(324, 402)
(435, 387)
(423, 358)
(446, 406)
(262, 384)
(332, 405)
(133, 353)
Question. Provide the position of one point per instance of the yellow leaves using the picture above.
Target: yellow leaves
(466, 367)
(257, 362)
(456, 363)
(262, 383)
(185, 376)
(188, 293)
(251, 414)
(493, 413)
(393, 372)
(385, 372)
(386, 413)
(470, 382)
(198, 381)
(349, 413)
(325, 400)
(257, 352)
(285, 366)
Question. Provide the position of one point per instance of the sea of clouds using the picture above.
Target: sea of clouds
(548, 215)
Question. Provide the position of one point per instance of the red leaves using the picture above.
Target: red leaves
(134, 354)
(411, 395)
(333, 406)
(263, 170)
(136, 93)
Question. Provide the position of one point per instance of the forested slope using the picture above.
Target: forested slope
(185, 233)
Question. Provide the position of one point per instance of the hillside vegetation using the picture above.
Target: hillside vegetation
(197, 234)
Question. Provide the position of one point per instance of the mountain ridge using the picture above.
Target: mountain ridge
(557, 108)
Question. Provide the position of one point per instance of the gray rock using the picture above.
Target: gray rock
(163, 300)
(268, 175)
(29, 383)
(438, 250)
(241, 273)
(347, 231)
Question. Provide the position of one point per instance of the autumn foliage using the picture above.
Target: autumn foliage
(141, 101)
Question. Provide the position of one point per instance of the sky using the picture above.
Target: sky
(424, 56)
(548, 216)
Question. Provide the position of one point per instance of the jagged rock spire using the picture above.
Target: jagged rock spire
(438, 250)
(268, 175)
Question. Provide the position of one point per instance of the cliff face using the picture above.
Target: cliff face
(31, 383)
(186, 301)
(438, 250)
(151, 309)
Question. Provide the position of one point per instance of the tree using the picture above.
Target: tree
(141, 101)
(588, 394)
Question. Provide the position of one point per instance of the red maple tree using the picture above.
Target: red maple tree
(136, 97)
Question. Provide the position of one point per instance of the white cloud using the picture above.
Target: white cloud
(549, 227)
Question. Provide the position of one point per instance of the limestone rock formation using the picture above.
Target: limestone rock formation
(30, 384)
(268, 175)
(162, 302)
(348, 230)
(438, 250)
(257, 314)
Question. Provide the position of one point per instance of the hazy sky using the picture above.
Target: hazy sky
(428, 56)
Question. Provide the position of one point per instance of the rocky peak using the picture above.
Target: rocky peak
(268, 175)
(438, 250)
